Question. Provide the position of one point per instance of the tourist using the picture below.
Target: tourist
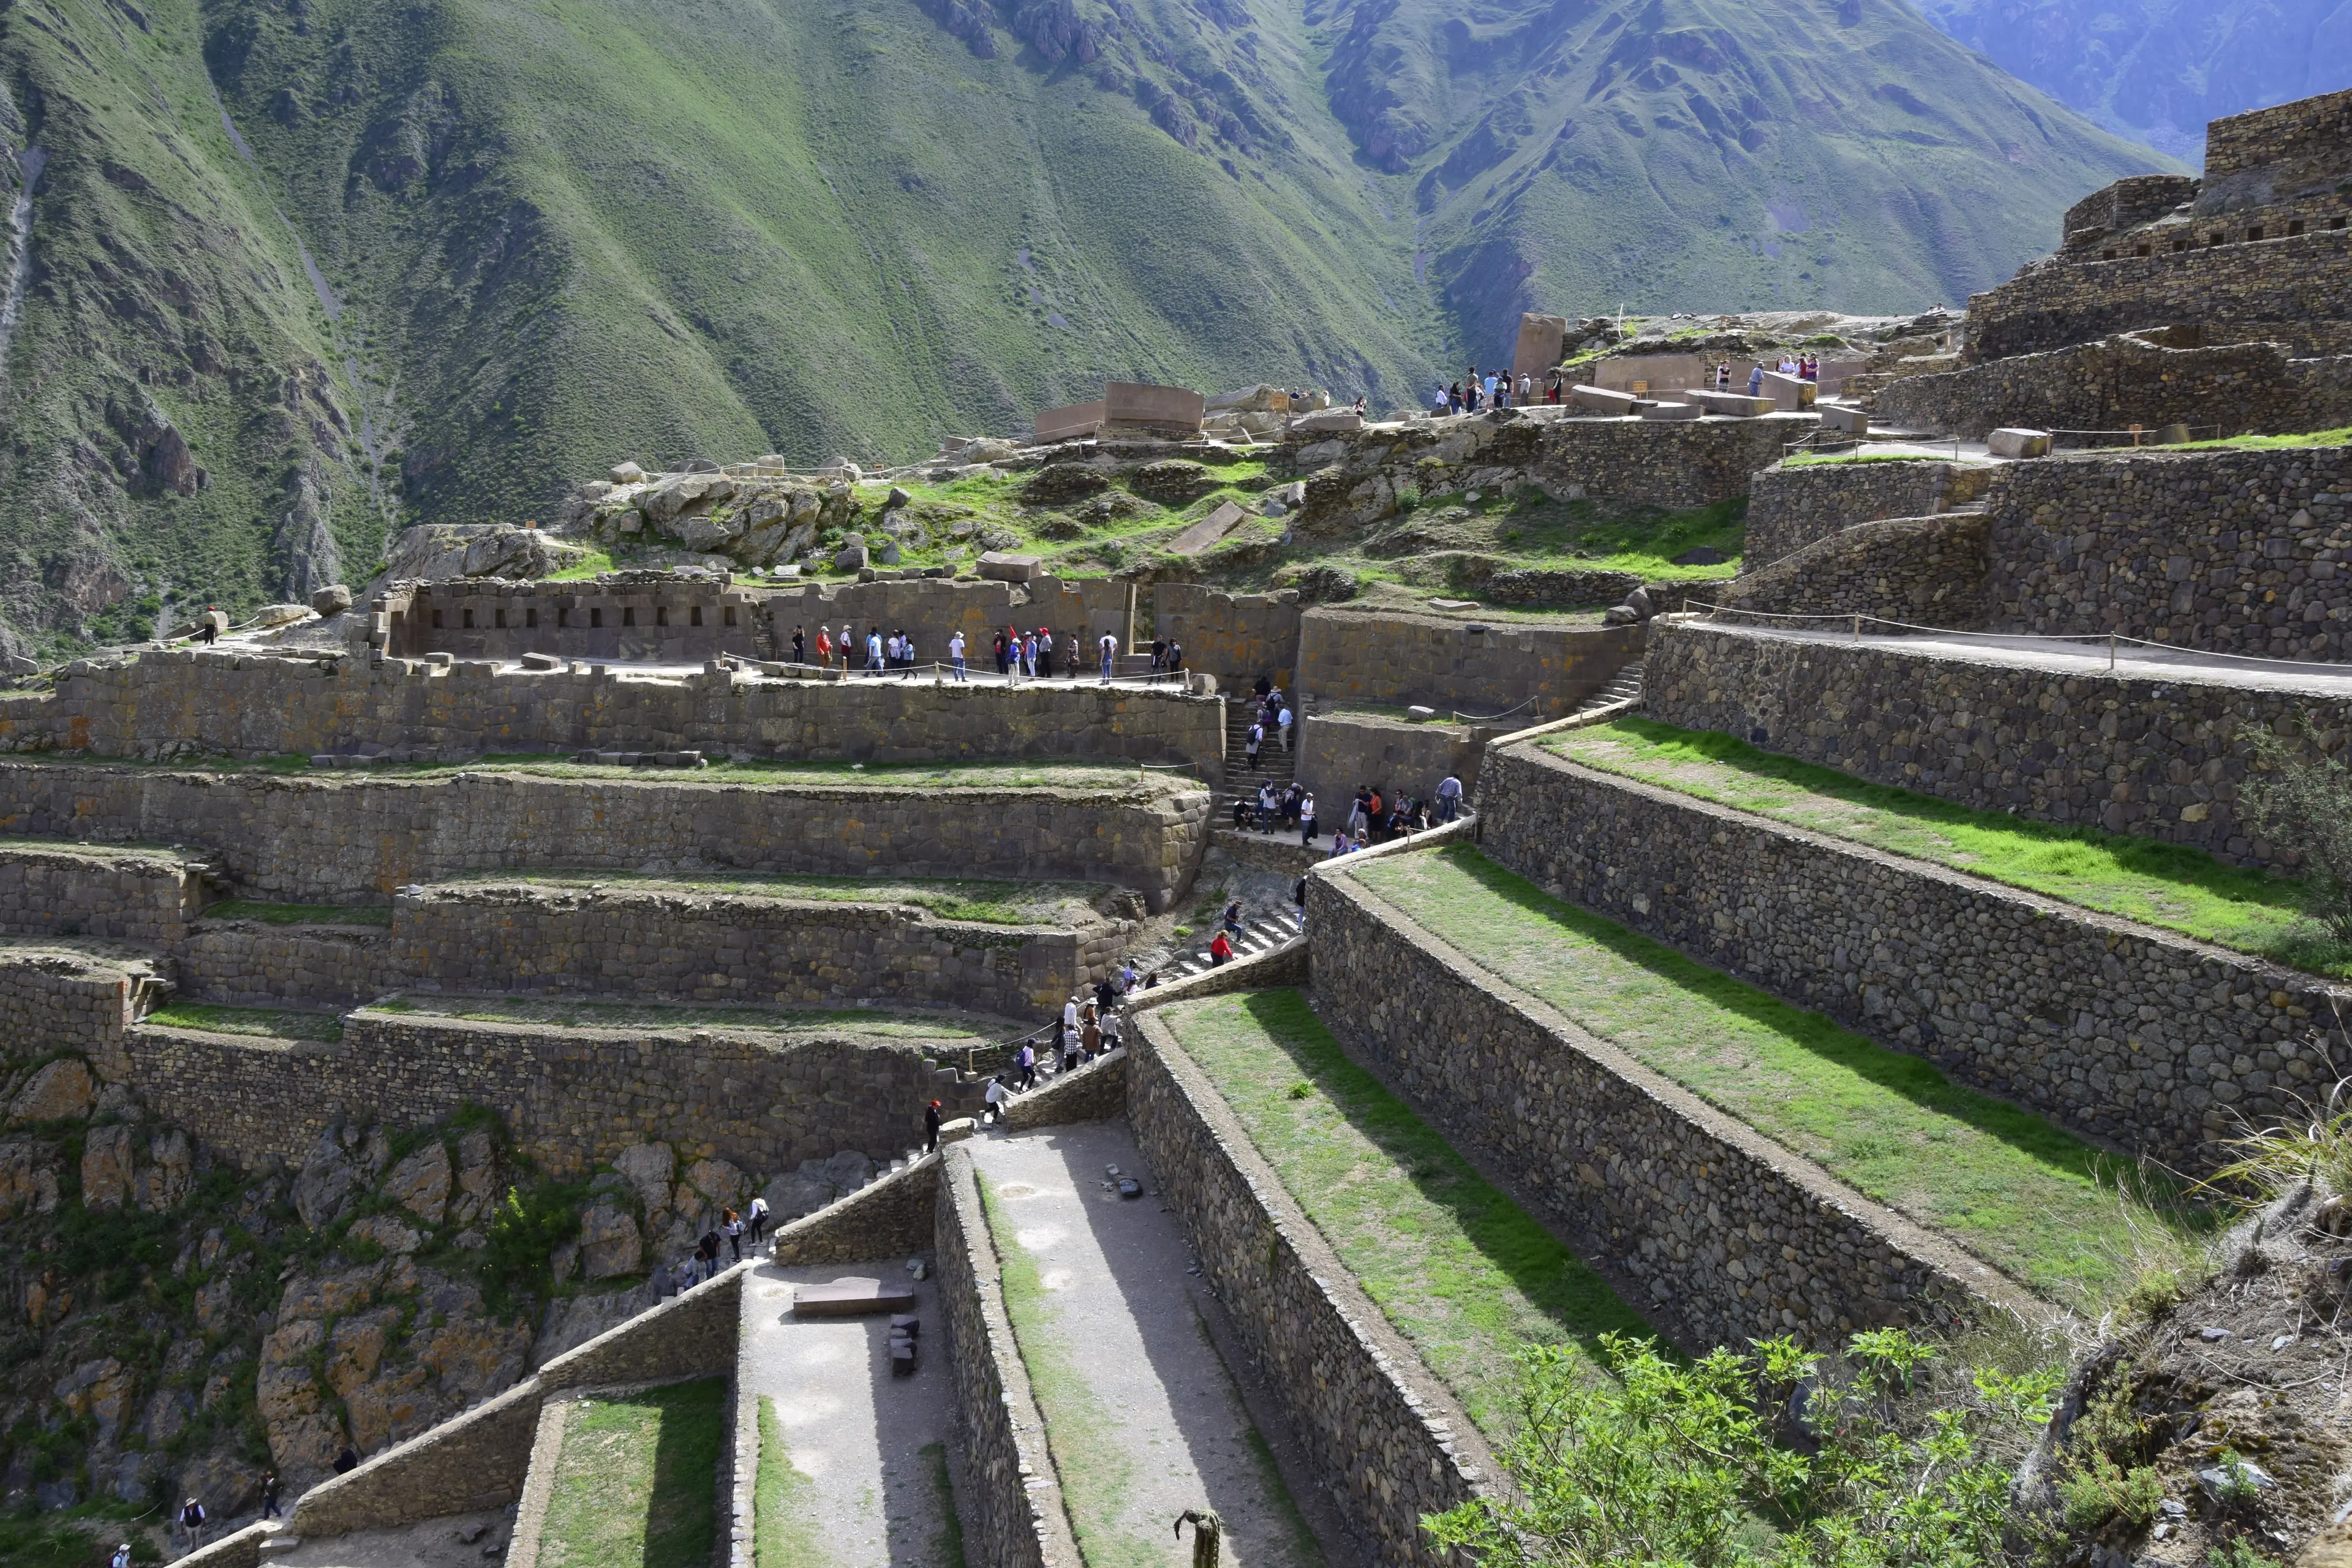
(192, 1525)
(1221, 951)
(842, 644)
(730, 1224)
(1287, 810)
(347, 1461)
(1490, 390)
(1243, 813)
(1026, 1059)
(1000, 654)
(1282, 721)
(1158, 655)
(1756, 380)
(706, 1252)
(1441, 404)
(121, 1558)
(1090, 1041)
(824, 647)
(873, 651)
(955, 655)
(931, 1127)
(1449, 798)
(1151, 981)
(1127, 976)
(269, 1496)
(1555, 382)
(1372, 818)
(1109, 645)
(997, 1096)
(1044, 653)
(1255, 738)
(1356, 812)
(1070, 1047)
(1267, 806)
(1298, 899)
(1339, 843)
(1233, 916)
(1070, 1015)
(800, 647)
(1306, 819)
(1723, 376)
(1453, 398)
(758, 1219)
(1175, 657)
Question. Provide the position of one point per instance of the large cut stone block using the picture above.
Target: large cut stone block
(2019, 443)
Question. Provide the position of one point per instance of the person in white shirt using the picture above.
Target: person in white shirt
(1283, 723)
(955, 654)
(996, 1095)
(874, 651)
(1109, 656)
(1306, 819)
(759, 1220)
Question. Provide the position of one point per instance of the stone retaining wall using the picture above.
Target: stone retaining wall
(340, 838)
(891, 1217)
(66, 891)
(572, 1097)
(1389, 659)
(1095, 1092)
(180, 701)
(2228, 389)
(1337, 752)
(80, 997)
(1390, 1438)
(2235, 551)
(2133, 1035)
(2156, 756)
(1733, 1236)
(681, 946)
(1789, 508)
(1237, 638)
(1922, 571)
(253, 963)
(1013, 1516)
(2290, 290)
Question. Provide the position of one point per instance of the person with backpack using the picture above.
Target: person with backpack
(706, 1252)
(758, 1219)
(1256, 739)
(1026, 1061)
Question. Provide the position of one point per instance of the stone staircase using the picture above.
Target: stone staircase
(1258, 935)
(1275, 763)
(1625, 686)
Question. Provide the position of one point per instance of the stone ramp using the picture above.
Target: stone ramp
(1142, 1418)
(848, 1462)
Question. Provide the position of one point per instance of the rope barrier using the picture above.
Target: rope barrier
(2114, 641)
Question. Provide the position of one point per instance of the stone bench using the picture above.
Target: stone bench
(851, 1297)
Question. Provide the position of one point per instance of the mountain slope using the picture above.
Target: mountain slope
(1706, 154)
(170, 422)
(2157, 70)
(443, 259)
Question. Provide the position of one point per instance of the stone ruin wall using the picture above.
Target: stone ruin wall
(2255, 158)
(2228, 389)
(1919, 571)
(2153, 1042)
(180, 701)
(570, 1097)
(130, 894)
(1725, 1236)
(2291, 291)
(2160, 757)
(2245, 552)
(1790, 508)
(1394, 659)
(1339, 751)
(342, 838)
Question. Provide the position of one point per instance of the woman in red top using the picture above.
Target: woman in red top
(1220, 951)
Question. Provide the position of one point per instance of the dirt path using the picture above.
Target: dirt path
(1142, 1418)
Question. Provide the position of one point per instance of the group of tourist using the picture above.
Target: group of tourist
(1804, 367)
(1272, 717)
(1494, 390)
(1019, 656)
(729, 1233)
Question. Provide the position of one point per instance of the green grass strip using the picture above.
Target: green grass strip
(2036, 1202)
(864, 1023)
(268, 1023)
(299, 914)
(2160, 883)
(637, 1483)
(785, 1532)
(1462, 1271)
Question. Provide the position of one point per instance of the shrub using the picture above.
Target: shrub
(1674, 1463)
(2305, 807)
(2098, 1490)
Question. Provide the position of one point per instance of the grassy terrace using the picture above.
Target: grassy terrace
(1461, 1271)
(955, 1029)
(265, 1023)
(2166, 885)
(299, 914)
(633, 1483)
(2033, 1200)
(989, 901)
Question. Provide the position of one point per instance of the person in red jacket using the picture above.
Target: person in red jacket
(1221, 951)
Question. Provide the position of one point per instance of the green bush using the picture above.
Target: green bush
(2099, 1489)
(535, 1217)
(2305, 807)
(1674, 1465)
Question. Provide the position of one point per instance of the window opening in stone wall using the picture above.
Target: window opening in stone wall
(562, 616)
(437, 620)
(629, 615)
(2139, 251)
(2336, 222)
(498, 619)
(2294, 228)
(661, 614)
(694, 616)
(529, 618)
(2106, 256)
(2180, 245)
(2211, 240)
(2254, 233)
(596, 617)
(731, 615)
(469, 620)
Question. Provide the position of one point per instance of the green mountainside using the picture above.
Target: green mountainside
(435, 261)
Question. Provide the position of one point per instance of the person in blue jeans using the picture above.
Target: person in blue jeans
(1449, 798)
(955, 654)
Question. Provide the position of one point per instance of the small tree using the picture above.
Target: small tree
(1677, 1466)
(2305, 807)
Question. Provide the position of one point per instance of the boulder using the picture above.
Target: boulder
(703, 466)
(1701, 555)
(1607, 400)
(610, 1242)
(650, 1169)
(2015, 443)
(627, 474)
(420, 1183)
(62, 1088)
(850, 558)
(280, 615)
(999, 567)
(1328, 422)
(332, 600)
(1852, 421)
(541, 661)
(1621, 616)
(1670, 413)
